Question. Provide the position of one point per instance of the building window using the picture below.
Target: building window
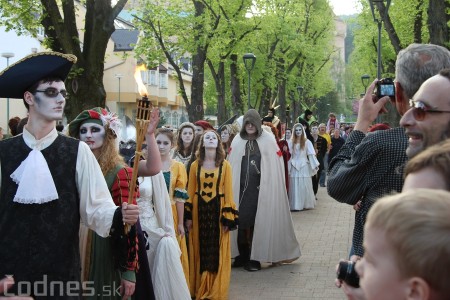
(121, 111)
(144, 75)
(134, 116)
(163, 80)
(175, 119)
(168, 117)
(152, 78)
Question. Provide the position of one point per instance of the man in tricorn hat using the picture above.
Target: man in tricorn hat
(48, 183)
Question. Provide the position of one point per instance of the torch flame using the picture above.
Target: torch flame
(137, 76)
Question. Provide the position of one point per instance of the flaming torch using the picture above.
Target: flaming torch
(144, 108)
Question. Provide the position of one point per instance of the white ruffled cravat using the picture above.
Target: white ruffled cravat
(35, 181)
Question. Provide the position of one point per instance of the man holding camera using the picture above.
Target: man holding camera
(369, 166)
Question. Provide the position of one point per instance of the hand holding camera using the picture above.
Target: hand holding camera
(370, 106)
(385, 87)
(346, 272)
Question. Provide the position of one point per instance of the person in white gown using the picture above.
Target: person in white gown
(302, 165)
(163, 252)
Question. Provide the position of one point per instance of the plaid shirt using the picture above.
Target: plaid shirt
(366, 168)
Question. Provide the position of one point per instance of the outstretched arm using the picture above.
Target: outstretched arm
(152, 165)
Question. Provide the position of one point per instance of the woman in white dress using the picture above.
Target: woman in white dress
(163, 252)
(302, 165)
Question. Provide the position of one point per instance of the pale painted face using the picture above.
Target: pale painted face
(225, 136)
(198, 130)
(425, 178)
(93, 135)
(314, 130)
(298, 131)
(187, 135)
(378, 271)
(250, 129)
(288, 134)
(210, 140)
(48, 108)
(164, 144)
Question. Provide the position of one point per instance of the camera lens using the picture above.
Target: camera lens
(347, 273)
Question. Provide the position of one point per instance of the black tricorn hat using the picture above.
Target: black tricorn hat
(18, 77)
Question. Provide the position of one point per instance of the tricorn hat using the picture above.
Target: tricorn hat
(18, 77)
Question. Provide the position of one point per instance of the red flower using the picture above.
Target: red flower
(279, 153)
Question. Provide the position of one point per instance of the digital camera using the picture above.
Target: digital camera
(347, 273)
(385, 87)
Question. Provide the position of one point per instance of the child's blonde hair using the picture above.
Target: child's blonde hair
(417, 227)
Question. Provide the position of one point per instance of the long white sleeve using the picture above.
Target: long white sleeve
(96, 205)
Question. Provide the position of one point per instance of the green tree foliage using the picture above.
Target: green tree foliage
(61, 33)
(407, 21)
(291, 39)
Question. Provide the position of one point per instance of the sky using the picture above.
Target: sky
(345, 7)
(19, 45)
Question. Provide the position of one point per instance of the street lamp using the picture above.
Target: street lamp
(249, 62)
(379, 22)
(365, 82)
(119, 76)
(7, 55)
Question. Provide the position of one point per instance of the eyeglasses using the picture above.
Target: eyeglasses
(419, 110)
(53, 92)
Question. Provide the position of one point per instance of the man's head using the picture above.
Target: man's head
(251, 125)
(308, 114)
(36, 71)
(271, 112)
(314, 128)
(428, 122)
(415, 64)
(429, 169)
(407, 242)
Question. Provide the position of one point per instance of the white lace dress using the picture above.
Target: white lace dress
(301, 194)
(163, 252)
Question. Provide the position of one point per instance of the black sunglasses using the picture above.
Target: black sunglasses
(53, 92)
(419, 110)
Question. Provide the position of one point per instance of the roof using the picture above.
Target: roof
(124, 39)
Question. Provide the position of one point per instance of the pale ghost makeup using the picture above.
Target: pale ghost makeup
(50, 108)
(288, 134)
(298, 131)
(164, 144)
(210, 140)
(225, 136)
(187, 135)
(93, 135)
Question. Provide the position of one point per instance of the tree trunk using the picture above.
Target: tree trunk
(236, 100)
(438, 19)
(393, 37)
(219, 82)
(195, 110)
(85, 83)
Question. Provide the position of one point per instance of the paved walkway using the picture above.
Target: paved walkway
(324, 235)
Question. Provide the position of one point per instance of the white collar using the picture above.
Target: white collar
(35, 182)
(41, 144)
